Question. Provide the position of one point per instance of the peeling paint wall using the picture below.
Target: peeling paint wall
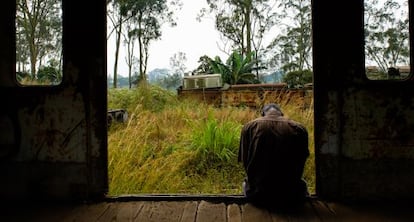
(364, 129)
(53, 139)
(251, 95)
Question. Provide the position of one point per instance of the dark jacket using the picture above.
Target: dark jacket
(274, 150)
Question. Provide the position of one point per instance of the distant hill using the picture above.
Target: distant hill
(274, 77)
(153, 76)
(157, 74)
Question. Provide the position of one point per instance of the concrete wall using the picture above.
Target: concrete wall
(53, 138)
(251, 95)
(364, 129)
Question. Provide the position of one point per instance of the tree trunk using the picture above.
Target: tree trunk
(248, 9)
(141, 49)
(118, 43)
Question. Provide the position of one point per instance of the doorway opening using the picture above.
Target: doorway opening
(176, 107)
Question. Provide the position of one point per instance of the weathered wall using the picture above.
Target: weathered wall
(364, 129)
(253, 96)
(53, 139)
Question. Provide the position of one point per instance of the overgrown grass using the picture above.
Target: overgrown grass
(180, 146)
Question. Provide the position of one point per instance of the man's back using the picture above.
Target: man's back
(273, 150)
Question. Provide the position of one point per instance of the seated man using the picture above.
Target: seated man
(274, 150)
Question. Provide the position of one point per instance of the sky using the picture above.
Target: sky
(193, 38)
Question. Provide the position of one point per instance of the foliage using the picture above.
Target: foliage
(171, 81)
(38, 33)
(157, 150)
(129, 41)
(49, 74)
(386, 34)
(146, 96)
(242, 22)
(292, 49)
(149, 16)
(177, 63)
(21, 76)
(297, 79)
(144, 20)
(116, 11)
(237, 69)
(204, 66)
(157, 74)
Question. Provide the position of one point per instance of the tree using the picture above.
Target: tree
(172, 81)
(204, 67)
(297, 79)
(38, 32)
(292, 49)
(177, 63)
(117, 14)
(242, 22)
(129, 40)
(386, 34)
(237, 69)
(150, 15)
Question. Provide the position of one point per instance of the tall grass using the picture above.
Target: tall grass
(180, 146)
(215, 139)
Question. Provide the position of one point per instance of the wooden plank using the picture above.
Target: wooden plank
(90, 212)
(345, 212)
(373, 212)
(190, 211)
(110, 214)
(278, 215)
(233, 213)
(252, 213)
(186, 211)
(55, 214)
(160, 211)
(34, 212)
(323, 211)
(303, 213)
(211, 212)
(128, 211)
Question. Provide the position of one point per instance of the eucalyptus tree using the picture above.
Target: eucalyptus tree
(291, 50)
(177, 63)
(242, 22)
(386, 33)
(38, 31)
(174, 78)
(117, 15)
(130, 37)
(149, 16)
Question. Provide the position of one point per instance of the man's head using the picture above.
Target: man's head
(271, 108)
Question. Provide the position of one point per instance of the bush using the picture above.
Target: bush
(298, 79)
(214, 140)
(148, 97)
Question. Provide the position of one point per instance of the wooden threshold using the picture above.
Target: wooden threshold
(162, 208)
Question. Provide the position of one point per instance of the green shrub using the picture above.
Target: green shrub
(297, 79)
(146, 96)
(216, 140)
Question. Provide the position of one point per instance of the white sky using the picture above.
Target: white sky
(193, 38)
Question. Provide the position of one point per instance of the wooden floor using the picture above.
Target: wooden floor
(202, 210)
